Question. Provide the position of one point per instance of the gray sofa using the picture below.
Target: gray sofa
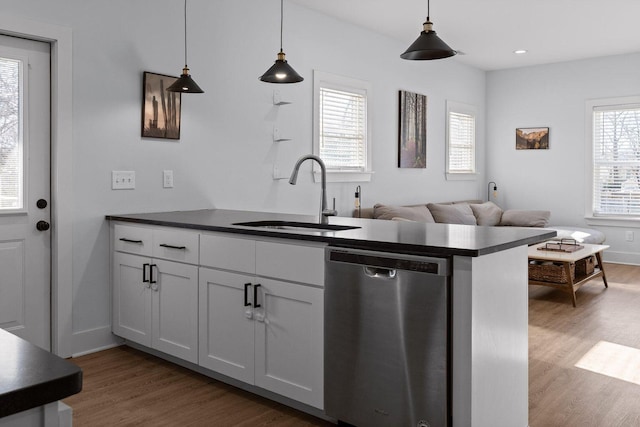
(477, 212)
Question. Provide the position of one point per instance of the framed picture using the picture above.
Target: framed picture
(532, 138)
(412, 130)
(160, 109)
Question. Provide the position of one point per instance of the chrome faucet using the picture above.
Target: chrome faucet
(324, 211)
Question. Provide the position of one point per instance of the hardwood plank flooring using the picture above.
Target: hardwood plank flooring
(125, 387)
(561, 394)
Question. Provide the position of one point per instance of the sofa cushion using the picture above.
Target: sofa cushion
(413, 213)
(487, 213)
(459, 213)
(525, 218)
(580, 235)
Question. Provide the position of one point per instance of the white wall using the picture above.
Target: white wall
(554, 96)
(225, 155)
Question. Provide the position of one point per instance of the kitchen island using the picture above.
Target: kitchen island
(214, 256)
(32, 381)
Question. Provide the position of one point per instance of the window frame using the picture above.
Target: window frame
(590, 217)
(323, 79)
(467, 109)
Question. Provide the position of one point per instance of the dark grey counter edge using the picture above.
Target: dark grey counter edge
(342, 240)
(44, 378)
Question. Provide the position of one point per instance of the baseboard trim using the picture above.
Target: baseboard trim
(617, 257)
(93, 340)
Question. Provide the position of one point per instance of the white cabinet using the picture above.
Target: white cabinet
(263, 322)
(155, 300)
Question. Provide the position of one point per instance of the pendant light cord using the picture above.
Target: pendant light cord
(281, 20)
(428, 10)
(185, 33)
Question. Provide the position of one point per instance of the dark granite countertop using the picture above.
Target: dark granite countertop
(393, 236)
(32, 377)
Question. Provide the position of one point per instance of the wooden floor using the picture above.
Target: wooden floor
(124, 387)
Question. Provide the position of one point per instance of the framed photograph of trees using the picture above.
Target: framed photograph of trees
(160, 109)
(412, 130)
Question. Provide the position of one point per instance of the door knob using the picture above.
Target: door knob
(41, 203)
(42, 225)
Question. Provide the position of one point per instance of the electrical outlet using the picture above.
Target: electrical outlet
(629, 236)
(123, 180)
(167, 179)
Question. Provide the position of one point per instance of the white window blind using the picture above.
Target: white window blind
(462, 130)
(616, 160)
(343, 129)
(461, 141)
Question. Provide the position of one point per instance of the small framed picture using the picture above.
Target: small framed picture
(160, 109)
(532, 138)
(412, 130)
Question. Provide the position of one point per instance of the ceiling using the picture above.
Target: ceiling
(486, 32)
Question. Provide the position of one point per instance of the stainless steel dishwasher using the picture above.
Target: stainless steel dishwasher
(387, 339)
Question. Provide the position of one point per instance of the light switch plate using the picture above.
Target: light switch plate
(123, 180)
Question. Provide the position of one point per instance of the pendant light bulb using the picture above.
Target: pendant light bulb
(185, 83)
(281, 71)
(428, 45)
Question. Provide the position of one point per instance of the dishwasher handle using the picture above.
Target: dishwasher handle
(380, 273)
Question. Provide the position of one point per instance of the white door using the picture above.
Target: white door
(226, 323)
(25, 248)
(132, 297)
(175, 309)
(289, 341)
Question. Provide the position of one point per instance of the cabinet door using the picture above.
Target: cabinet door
(131, 298)
(226, 325)
(289, 341)
(175, 309)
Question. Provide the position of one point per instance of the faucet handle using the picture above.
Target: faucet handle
(329, 212)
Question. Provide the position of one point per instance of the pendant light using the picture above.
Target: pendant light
(281, 71)
(185, 83)
(428, 45)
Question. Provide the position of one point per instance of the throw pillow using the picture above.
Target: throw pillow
(524, 218)
(412, 213)
(459, 213)
(487, 213)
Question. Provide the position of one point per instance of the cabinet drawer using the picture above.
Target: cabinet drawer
(135, 240)
(297, 263)
(176, 245)
(228, 253)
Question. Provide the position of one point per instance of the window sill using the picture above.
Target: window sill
(344, 176)
(612, 221)
(461, 176)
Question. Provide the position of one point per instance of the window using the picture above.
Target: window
(11, 144)
(615, 155)
(342, 131)
(461, 141)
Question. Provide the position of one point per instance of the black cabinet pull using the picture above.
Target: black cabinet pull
(246, 301)
(164, 245)
(151, 279)
(124, 239)
(255, 296)
(144, 273)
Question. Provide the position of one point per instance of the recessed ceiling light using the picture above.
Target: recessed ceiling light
(520, 51)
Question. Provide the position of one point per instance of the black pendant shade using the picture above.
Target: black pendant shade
(185, 83)
(428, 45)
(281, 71)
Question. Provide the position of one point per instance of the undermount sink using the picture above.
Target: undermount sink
(296, 226)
